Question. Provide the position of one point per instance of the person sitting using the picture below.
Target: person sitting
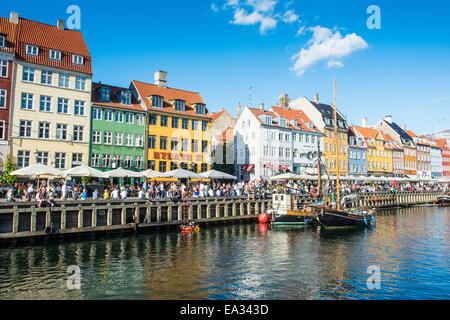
(84, 195)
(106, 194)
(95, 194)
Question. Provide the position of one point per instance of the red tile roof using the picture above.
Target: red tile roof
(48, 37)
(147, 90)
(115, 98)
(298, 115)
(441, 143)
(216, 115)
(10, 30)
(259, 112)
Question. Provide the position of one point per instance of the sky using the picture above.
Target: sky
(251, 51)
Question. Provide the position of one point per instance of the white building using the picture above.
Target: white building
(436, 160)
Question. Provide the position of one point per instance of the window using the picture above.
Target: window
(140, 119)
(97, 137)
(63, 105)
(162, 166)
(200, 108)
(60, 160)
(204, 146)
(42, 158)
(77, 159)
(55, 55)
(108, 115)
(2, 41)
(27, 101)
(194, 125)
(106, 161)
(153, 118)
(2, 129)
(174, 144)
(194, 145)
(125, 97)
(128, 161)
(3, 68)
(175, 121)
(107, 138)
(78, 133)
(32, 50)
(95, 160)
(204, 125)
(129, 118)
(139, 162)
(2, 98)
(118, 139)
(139, 140)
(151, 164)
(76, 59)
(204, 167)
(80, 84)
(45, 104)
(79, 108)
(116, 161)
(47, 77)
(23, 159)
(97, 114)
(163, 143)
(129, 140)
(157, 101)
(152, 142)
(185, 123)
(119, 116)
(61, 131)
(28, 74)
(180, 105)
(173, 166)
(164, 121)
(184, 144)
(44, 130)
(64, 80)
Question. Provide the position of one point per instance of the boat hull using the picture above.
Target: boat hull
(289, 219)
(444, 201)
(339, 219)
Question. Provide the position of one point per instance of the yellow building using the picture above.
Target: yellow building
(379, 151)
(51, 99)
(179, 126)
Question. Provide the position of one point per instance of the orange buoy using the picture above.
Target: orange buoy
(263, 218)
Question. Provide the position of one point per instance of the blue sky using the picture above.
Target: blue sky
(402, 69)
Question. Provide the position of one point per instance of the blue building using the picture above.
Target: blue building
(357, 155)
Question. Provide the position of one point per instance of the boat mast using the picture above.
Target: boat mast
(336, 137)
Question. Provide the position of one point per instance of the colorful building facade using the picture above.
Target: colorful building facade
(357, 154)
(179, 126)
(118, 129)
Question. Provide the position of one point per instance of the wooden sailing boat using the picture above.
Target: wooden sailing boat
(336, 217)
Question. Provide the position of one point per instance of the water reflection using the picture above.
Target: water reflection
(243, 261)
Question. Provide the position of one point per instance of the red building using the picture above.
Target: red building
(442, 143)
(8, 29)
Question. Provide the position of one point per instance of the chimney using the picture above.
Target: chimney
(161, 79)
(365, 122)
(14, 17)
(388, 118)
(238, 110)
(261, 106)
(283, 101)
(316, 98)
(404, 127)
(60, 24)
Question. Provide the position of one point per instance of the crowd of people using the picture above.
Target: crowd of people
(47, 194)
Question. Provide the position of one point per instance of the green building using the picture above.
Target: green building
(118, 128)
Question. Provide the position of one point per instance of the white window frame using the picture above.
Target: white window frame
(129, 116)
(79, 108)
(4, 68)
(3, 95)
(80, 83)
(60, 162)
(29, 98)
(97, 114)
(77, 59)
(47, 103)
(78, 133)
(2, 41)
(47, 75)
(108, 112)
(118, 139)
(2, 129)
(64, 103)
(55, 55)
(45, 127)
(140, 119)
(96, 137)
(139, 140)
(107, 138)
(65, 79)
(61, 130)
(95, 160)
(32, 50)
(77, 159)
(129, 140)
(119, 116)
(29, 72)
(42, 157)
(23, 154)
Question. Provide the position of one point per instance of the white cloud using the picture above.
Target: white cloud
(241, 17)
(289, 16)
(328, 45)
(334, 64)
(259, 12)
(301, 31)
(214, 7)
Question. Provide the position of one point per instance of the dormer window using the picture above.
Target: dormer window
(200, 108)
(2, 41)
(283, 122)
(55, 55)
(157, 102)
(268, 120)
(125, 97)
(76, 59)
(180, 105)
(341, 123)
(328, 121)
(294, 123)
(32, 50)
(105, 94)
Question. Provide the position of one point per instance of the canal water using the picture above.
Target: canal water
(410, 247)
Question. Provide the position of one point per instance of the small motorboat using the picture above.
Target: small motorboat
(444, 201)
(189, 228)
